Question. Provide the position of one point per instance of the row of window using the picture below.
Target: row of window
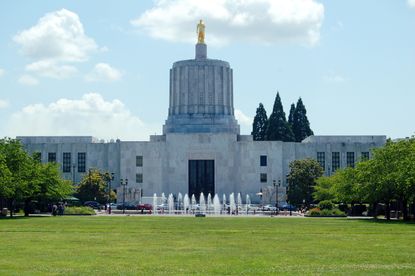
(321, 159)
(66, 160)
(335, 159)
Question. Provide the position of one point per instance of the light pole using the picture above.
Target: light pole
(276, 193)
(124, 184)
(110, 177)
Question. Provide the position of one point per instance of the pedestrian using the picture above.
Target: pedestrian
(54, 209)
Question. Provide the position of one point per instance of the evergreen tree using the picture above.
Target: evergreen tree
(259, 126)
(278, 128)
(301, 125)
(291, 116)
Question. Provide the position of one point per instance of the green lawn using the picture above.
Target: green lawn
(186, 245)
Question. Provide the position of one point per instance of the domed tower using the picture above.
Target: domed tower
(201, 94)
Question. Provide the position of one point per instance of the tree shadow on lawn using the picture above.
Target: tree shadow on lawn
(385, 221)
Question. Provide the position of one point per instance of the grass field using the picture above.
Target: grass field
(187, 245)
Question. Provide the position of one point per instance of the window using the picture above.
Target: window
(81, 162)
(335, 160)
(321, 159)
(263, 160)
(263, 177)
(51, 157)
(37, 156)
(139, 160)
(139, 178)
(66, 162)
(350, 159)
(365, 155)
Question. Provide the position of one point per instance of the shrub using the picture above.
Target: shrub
(315, 212)
(82, 210)
(326, 205)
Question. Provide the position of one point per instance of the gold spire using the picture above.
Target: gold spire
(200, 30)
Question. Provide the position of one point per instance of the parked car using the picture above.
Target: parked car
(288, 207)
(145, 206)
(128, 206)
(269, 207)
(92, 204)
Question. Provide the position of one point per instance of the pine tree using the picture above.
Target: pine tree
(278, 128)
(260, 124)
(291, 116)
(301, 125)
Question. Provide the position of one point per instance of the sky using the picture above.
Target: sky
(101, 68)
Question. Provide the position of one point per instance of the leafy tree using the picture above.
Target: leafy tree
(22, 178)
(278, 128)
(259, 126)
(93, 186)
(323, 190)
(302, 179)
(291, 115)
(300, 124)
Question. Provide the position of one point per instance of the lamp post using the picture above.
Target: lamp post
(124, 184)
(274, 182)
(110, 177)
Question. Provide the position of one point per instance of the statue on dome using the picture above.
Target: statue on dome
(200, 30)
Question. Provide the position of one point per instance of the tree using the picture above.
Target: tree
(93, 186)
(300, 124)
(22, 178)
(259, 126)
(323, 190)
(291, 115)
(302, 179)
(278, 128)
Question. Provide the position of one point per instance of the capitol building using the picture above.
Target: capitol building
(201, 148)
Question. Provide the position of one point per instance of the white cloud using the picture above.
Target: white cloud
(58, 35)
(3, 104)
(243, 119)
(57, 39)
(411, 3)
(90, 115)
(264, 21)
(103, 72)
(51, 69)
(1, 72)
(28, 80)
(334, 78)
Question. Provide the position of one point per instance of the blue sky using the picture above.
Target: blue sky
(101, 68)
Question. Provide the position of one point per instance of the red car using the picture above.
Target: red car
(145, 206)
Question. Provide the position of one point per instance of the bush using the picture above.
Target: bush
(82, 210)
(326, 205)
(316, 212)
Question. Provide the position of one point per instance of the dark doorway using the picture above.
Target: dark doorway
(201, 177)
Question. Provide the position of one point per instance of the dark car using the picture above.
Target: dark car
(127, 206)
(92, 204)
(145, 206)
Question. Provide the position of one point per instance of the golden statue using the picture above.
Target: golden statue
(200, 30)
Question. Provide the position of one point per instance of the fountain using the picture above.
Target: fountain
(216, 205)
(180, 203)
(232, 206)
(170, 204)
(247, 203)
(202, 203)
(239, 203)
(186, 203)
(154, 204)
(193, 207)
(209, 203)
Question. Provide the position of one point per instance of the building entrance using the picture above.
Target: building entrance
(201, 177)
